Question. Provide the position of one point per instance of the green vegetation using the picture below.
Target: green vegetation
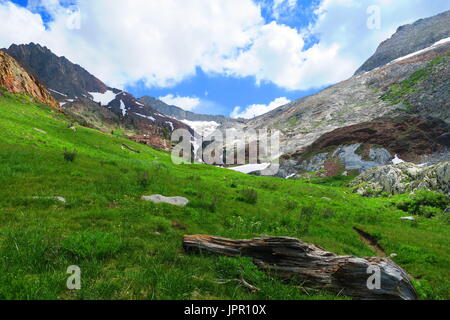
(131, 249)
(424, 203)
(397, 92)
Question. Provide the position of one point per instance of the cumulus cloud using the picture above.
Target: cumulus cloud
(186, 103)
(255, 110)
(164, 42)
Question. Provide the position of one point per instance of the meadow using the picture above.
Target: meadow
(131, 249)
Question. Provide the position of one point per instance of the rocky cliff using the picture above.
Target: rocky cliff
(16, 80)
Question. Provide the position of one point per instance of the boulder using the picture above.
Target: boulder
(403, 177)
(176, 201)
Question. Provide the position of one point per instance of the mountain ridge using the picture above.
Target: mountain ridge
(73, 85)
(408, 39)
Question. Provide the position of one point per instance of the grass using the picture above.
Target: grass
(128, 249)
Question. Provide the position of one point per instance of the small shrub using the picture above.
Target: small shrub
(248, 196)
(428, 212)
(443, 217)
(424, 203)
(143, 180)
(70, 156)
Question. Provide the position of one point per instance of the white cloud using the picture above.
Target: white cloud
(164, 42)
(255, 110)
(186, 103)
(281, 6)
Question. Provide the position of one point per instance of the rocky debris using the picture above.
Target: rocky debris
(409, 39)
(16, 80)
(402, 178)
(176, 201)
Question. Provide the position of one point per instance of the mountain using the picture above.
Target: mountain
(408, 39)
(17, 80)
(81, 94)
(414, 85)
(57, 73)
(180, 114)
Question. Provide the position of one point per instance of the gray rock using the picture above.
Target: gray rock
(408, 218)
(176, 201)
(402, 178)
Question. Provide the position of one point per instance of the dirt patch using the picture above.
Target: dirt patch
(371, 241)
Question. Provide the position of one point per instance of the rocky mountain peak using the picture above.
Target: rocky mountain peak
(16, 80)
(409, 39)
(57, 73)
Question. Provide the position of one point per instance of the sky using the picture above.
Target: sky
(238, 58)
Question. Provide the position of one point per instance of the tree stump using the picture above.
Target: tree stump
(360, 278)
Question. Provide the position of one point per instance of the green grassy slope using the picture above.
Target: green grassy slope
(128, 249)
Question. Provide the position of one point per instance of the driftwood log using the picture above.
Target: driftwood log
(291, 258)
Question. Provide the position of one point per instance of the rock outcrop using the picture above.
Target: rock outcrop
(402, 178)
(16, 80)
(372, 144)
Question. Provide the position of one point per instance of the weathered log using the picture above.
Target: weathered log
(291, 258)
(131, 148)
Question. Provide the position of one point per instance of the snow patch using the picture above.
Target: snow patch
(123, 108)
(144, 116)
(397, 160)
(103, 98)
(171, 125)
(249, 168)
(440, 42)
(61, 94)
(202, 128)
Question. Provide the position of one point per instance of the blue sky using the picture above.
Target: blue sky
(240, 57)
